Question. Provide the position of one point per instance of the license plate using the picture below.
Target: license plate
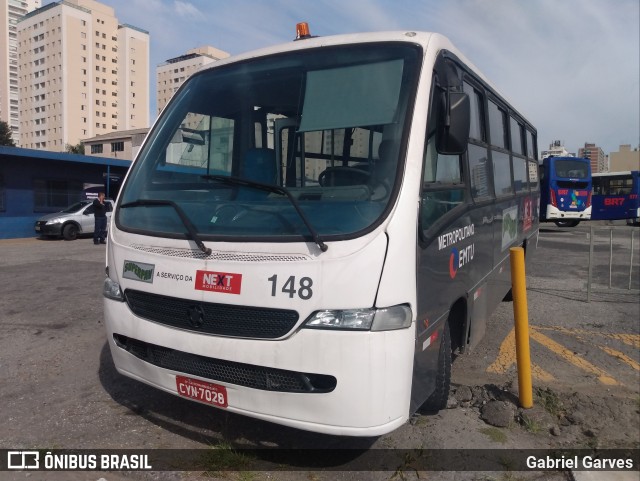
(202, 391)
(37, 228)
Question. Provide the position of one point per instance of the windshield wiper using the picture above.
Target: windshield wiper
(276, 190)
(193, 234)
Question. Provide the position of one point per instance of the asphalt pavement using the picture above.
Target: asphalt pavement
(61, 390)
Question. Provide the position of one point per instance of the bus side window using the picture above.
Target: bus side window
(501, 173)
(532, 148)
(442, 186)
(533, 175)
(498, 134)
(476, 124)
(479, 168)
(440, 168)
(479, 173)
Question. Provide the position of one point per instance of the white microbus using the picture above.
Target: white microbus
(310, 230)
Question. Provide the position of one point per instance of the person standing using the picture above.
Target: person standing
(100, 217)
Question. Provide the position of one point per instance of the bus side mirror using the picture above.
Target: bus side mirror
(453, 129)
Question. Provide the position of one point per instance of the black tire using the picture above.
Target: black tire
(70, 232)
(566, 223)
(439, 397)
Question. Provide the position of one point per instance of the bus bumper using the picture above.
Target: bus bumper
(553, 213)
(373, 371)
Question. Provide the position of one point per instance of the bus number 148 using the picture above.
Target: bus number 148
(289, 287)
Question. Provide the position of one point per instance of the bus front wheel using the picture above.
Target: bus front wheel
(439, 397)
(566, 223)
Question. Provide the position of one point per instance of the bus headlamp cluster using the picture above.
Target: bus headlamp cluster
(386, 319)
(111, 290)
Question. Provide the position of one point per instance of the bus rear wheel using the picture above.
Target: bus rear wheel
(439, 397)
(566, 223)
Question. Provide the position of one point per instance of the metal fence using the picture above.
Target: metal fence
(623, 275)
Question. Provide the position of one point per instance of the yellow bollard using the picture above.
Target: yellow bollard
(520, 312)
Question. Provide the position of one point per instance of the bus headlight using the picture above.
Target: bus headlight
(389, 318)
(358, 319)
(111, 290)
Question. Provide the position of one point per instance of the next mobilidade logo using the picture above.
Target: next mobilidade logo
(223, 282)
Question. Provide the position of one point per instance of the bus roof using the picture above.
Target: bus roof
(606, 174)
(428, 40)
(566, 157)
(421, 38)
(431, 42)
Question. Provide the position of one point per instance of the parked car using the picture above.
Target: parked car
(75, 220)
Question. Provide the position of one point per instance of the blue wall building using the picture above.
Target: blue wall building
(37, 182)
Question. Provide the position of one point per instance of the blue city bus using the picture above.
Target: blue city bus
(616, 195)
(565, 190)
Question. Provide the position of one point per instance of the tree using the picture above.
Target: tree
(75, 149)
(6, 137)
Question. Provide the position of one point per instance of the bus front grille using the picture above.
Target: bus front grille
(248, 375)
(222, 256)
(212, 318)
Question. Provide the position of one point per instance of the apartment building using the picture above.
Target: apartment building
(556, 149)
(10, 12)
(81, 74)
(171, 74)
(599, 163)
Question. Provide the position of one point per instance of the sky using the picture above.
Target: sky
(572, 67)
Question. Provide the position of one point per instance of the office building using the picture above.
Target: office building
(81, 74)
(172, 73)
(10, 12)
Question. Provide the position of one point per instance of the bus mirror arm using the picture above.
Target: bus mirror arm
(453, 131)
(447, 110)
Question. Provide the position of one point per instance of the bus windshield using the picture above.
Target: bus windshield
(310, 140)
(571, 169)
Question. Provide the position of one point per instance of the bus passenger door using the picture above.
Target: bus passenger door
(442, 211)
(441, 203)
(483, 216)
